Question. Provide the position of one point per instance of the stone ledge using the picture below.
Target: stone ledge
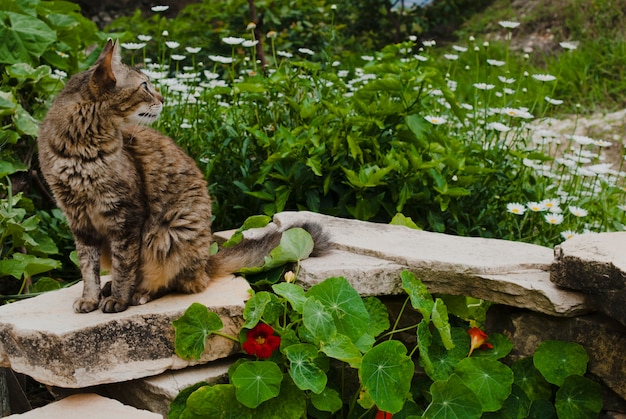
(90, 406)
(43, 337)
(371, 257)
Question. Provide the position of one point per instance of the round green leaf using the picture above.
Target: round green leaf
(342, 348)
(290, 403)
(452, 399)
(292, 293)
(541, 409)
(578, 398)
(304, 372)
(443, 361)
(379, 316)
(192, 330)
(295, 244)
(318, 321)
(217, 401)
(256, 382)
(529, 379)
(490, 380)
(344, 304)
(327, 401)
(255, 307)
(515, 406)
(386, 372)
(501, 347)
(421, 299)
(557, 359)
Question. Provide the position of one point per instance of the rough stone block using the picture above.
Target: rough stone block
(90, 406)
(371, 257)
(595, 264)
(43, 337)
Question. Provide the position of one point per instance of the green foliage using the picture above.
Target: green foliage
(329, 331)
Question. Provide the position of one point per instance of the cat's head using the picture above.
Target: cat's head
(128, 91)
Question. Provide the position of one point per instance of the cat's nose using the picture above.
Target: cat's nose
(159, 97)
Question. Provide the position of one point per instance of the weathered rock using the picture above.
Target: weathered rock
(44, 338)
(90, 406)
(155, 394)
(595, 264)
(603, 338)
(372, 256)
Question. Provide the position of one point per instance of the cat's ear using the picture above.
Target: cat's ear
(103, 77)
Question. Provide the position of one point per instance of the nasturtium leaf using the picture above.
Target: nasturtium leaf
(256, 382)
(501, 347)
(578, 398)
(192, 330)
(490, 380)
(318, 321)
(424, 342)
(33, 265)
(327, 401)
(289, 404)
(386, 372)
(365, 342)
(24, 38)
(216, 401)
(445, 360)
(345, 305)
(379, 316)
(439, 317)
(558, 359)
(452, 399)
(255, 308)
(8, 168)
(45, 284)
(256, 221)
(541, 409)
(295, 244)
(304, 372)
(529, 379)
(179, 404)
(292, 293)
(421, 299)
(515, 406)
(342, 348)
(402, 220)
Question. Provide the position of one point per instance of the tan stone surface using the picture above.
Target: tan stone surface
(371, 257)
(43, 338)
(85, 406)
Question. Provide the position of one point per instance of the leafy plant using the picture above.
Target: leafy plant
(329, 350)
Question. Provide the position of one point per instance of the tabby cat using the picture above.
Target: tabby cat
(133, 199)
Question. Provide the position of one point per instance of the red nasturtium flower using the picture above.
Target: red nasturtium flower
(478, 340)
(383, 415)
(261, 341)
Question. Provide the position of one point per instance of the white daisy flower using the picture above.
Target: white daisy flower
(306, 51)
(569, 45)
(172, 44)
(553, 101)
(544, 77)
(159, 8)
(516, 208)
(496, 63)
(568, 234)
(436, 120)
(553, 218)
(144, 38)
(498, 126)
(232, 40)
(536, 206)
(508, 24)
(577, 211)
(132, 45)
(193, 50)
(484, 86)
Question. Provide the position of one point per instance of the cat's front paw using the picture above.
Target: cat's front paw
(112, 305)
(85, 305)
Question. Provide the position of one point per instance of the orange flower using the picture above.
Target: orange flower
(478, 340)
(382, 415)
(261, 341)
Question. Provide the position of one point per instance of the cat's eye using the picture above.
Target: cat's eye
(145, 86)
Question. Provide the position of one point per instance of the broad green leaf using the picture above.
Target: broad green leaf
(24, 38)
(444, 360)
(192, 330)
(439, 318)
(379, 316)
(421, 299)
(344, 304)
(402, 220)
(452, 399)
(501, 347)
(33, 265)
(179, 404)
(304, 372)
(255, 221)
(342, 348)
(255, 308)
(386, 372)
(290, 403)
(216, 401)
(25, 123)
(424, 342)
(295, 244)
(541, 409)
(45, 284)
(578, 398)
(256, 382)
(529, 379)
(557, 360)
(292, 293)
(12, 267)
(515, 406)
(490, 380)
(419, 127)
(318, 321)
(327, 401)
(8, 168)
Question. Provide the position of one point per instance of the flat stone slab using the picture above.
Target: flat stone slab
(42, 337)
(595, 264)
(372, 256)
(90, 406)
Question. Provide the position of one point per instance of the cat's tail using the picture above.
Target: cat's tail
(251, 251)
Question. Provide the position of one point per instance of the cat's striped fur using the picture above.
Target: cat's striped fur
(132, 197)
